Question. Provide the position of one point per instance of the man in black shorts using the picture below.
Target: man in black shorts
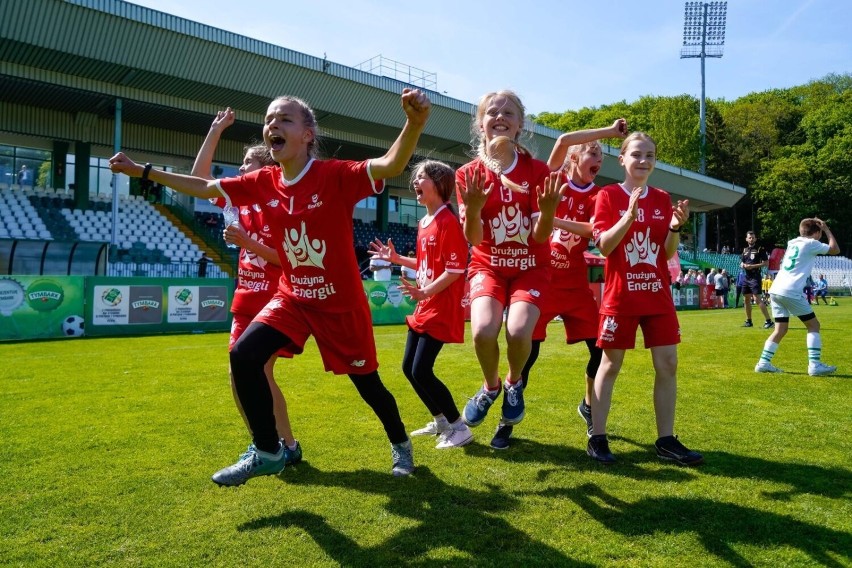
(754, 258)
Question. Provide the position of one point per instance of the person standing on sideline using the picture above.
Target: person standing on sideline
(788, 299)
(440, 262)
(258, 271)
(739, 287)
(202, 265)
(821, 290)
(506, 209)
(637, 229)
(753, 259)
(311, 203)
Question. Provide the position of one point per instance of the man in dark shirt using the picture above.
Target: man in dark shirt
(754, 258)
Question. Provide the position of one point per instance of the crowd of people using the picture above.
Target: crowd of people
(525, 224)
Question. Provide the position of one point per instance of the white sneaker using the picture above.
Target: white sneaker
(818, 368)
(432, 429)
(765, 367)
(455, 437)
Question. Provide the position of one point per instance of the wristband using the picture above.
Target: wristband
(146, 171)
(674, 230)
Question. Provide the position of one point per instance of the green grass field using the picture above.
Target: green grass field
(109, 444)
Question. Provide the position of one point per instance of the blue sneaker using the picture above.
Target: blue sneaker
(477, 407)
(513, 403)
(402, 455)
(252, 463)
(292, 457)
(500, 441)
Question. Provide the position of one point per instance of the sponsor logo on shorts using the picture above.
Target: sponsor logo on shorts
(608, 329)
(358, 363)
(535, 293)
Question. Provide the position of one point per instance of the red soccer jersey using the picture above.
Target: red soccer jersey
(508, 216)
(637, 280)
(567, 263)
(257, 279)
(441, 247)
(313, 214)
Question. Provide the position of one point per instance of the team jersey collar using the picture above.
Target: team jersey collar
(427, 219)
(296, 179)
(628, 192)
(580, 188)
(514, 162)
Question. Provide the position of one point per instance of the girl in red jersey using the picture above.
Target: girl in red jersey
(310, 202)
(259, 270)
(507, 214)
(579, 156)
(637, 229)
(440, 263)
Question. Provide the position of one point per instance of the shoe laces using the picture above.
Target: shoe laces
(482, 400)
(512, 396)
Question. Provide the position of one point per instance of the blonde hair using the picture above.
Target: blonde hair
(477, 136)
(636, 136)
(260, 153)
(309, 120)
(576, 150)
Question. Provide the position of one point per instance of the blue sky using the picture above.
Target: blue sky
(558, 55)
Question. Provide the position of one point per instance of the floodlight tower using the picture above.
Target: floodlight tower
(703, 36)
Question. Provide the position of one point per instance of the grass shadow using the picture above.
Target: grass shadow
(448, 517)
(718, 526)
(630, 464)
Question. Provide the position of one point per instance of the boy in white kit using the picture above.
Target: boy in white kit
(788, 299)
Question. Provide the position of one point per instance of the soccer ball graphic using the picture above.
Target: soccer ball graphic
(73, 326)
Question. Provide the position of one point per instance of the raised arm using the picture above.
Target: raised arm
(680, 214)
(417, 107)
(834, 248)
(194, 186)
(474, 196)
(235, 234)
(204, 160)
(565, 141)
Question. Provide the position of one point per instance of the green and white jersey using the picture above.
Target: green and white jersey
(797, 266)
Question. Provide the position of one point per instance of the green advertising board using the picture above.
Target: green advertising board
(41, 307)
(388, 305)
(687, 297)
(124, 306)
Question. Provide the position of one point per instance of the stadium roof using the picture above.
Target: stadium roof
(79, 56)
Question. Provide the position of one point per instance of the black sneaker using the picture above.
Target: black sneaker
(500, 441)
(769, 324)
(670, 448)
(585, 412)
(748, 323)
(598, 448)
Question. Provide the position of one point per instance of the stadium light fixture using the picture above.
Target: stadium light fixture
(703, 37)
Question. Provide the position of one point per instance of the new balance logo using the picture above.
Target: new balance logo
(358, 363)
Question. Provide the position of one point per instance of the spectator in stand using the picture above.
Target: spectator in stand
(202, 265)
(821, 290)
(25, 176)
(698, 279)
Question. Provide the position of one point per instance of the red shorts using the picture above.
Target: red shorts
(239, 325)
(345, 339)
(530, 286)
(579, 312)
(619, 332)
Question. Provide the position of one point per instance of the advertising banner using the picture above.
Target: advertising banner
(118, 306)
(688, 297)
(388, 304)
(41, 307)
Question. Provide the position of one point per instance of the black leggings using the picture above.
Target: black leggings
(595, 355)
(418, 364)
(248, 357)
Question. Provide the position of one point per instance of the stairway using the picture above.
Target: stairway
(224, 264)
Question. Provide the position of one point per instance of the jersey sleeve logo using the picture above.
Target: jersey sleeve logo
(301, 250)
(640, 249)
(510, 225)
